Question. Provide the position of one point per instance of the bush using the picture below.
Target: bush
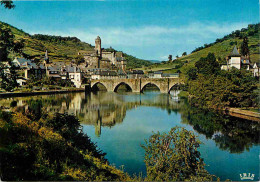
(174, 157)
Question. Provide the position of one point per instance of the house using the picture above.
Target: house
(256, 69)
(138, 74)
(32, 70)
(237, 61)
(234, 59)
(170, 75)
(157, 74)
(104, 75)
(54, 72)
(74, 74)
(18, 62)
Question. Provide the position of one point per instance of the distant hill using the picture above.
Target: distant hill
(60, 48)
(221, 48)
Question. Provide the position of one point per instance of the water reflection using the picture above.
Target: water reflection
(103, 109)
(119, 122)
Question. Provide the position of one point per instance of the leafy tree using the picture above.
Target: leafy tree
(7, 4)
(174, 157)
(184, 54)
(8, 79)
(79, 59)
(208, 65)
(170, 58)
(177, 56)
(192, 73)
(244, 47)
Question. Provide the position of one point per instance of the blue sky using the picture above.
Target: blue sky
(148, 29)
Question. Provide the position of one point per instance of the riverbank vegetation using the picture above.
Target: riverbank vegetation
(51, 147)
(39, 145)
(174, 156)
(210, 87)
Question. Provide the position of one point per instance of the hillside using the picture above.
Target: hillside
(221, 48)
(60, 48)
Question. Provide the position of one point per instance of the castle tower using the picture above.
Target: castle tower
(98, 46)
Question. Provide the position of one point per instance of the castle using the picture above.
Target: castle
(99, 58)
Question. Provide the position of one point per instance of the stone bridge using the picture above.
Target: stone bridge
(137, 85)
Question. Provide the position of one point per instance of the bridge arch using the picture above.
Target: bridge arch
(150, 83)
(96, 88)
(175, 86)
(128, 87)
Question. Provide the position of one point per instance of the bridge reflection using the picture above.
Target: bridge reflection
(104, 109)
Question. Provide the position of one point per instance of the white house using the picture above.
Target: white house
(234, 59)
(256, 69)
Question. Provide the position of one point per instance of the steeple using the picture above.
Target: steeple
(235, 52)
(46, 58)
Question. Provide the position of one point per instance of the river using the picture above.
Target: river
(120, 122)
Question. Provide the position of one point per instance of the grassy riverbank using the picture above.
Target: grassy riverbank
(50, 148)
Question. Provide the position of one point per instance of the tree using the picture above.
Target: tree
(184, 54)
(174, 157)
(79, 59)
(244, 47)
(7, 4)
(192, 73)
(208, 65)
(8, 43)
(177, 56)
(170, 58)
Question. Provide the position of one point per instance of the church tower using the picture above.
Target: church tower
(46, 58)
(98, 46)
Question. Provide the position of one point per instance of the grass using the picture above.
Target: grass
(221, 50)
(64, 51)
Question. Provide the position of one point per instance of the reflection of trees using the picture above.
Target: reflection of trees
(229, 133)
(108, 109)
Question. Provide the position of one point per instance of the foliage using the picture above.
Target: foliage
(170, 57)
(207, 65)
(250, 31)
(79, 59)
(53, 38)
(8, 43)
(174, 157)
(244, 47)
(230, 133)
(7, 4)
(8, 80)
(211, 88)
(52, 148)
(133, 62)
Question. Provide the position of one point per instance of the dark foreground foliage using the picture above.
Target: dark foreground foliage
(175, 157)
(51, 148)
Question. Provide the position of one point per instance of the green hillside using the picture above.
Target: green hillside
(59, 48)
(221, 48)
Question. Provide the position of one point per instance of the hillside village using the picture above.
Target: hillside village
(98, 64)
(101, 64)
(94, 62)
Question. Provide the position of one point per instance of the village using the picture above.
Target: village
(97, 64)
(101, 64)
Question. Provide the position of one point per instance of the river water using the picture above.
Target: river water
(120, 122)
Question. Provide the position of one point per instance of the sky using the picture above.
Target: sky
(147, 29)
